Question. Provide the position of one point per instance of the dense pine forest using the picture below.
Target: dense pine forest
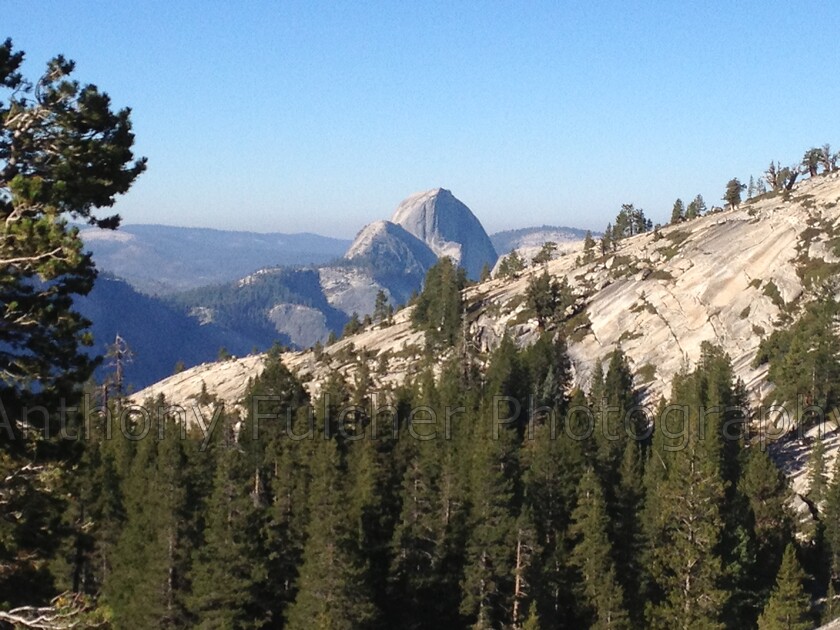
(455, 504)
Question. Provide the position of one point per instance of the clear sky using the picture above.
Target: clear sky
(321, 116)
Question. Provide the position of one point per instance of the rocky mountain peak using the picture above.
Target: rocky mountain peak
(448, 227)
(389, 248)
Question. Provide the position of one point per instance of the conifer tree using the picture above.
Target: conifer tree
(525, 566)
(766, 490)
(592, 555)
(831, 520)
(696, 208)
(789, 607)
(64, 155)
(427, 544)
(817, 477)
(487, 587)
(229, 566)
(732, 196)
(627, 529)
(532, 622)
(678, 212)
(588, 246)
(334, 591)
(686, 493)
(373, 505)
(148, 583)
(439, 307)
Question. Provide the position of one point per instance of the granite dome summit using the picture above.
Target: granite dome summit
(448, 227)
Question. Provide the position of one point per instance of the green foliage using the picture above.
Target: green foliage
(545, 254)
(439, 307)
(588, 247)
(696, 208)
(353, 326)
(592, 555)
(817, 473)
(548, 298)
(686, 511)
(511, 265)
(772, 291)
(333, 583)
(678, 212)
(789, 607)
(804, 359)
(629, 221)
(63, 154)
(732, 196)
(382, 308)
(831, 518)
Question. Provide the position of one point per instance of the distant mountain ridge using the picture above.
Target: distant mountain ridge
(160, 259)
(302, 306)
(244, 290)
(508, 240)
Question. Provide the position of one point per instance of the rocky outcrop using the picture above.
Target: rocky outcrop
(448, 227)
(304, 325)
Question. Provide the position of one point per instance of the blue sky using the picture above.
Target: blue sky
(311, 116)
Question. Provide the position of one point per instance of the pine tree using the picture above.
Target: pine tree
(334, 591)
(277, 412)
(767, 492)
(588, 246)
(287, 515)
(381, 306)
(148, 582)
(64, 154)
(732, 196)
(592, 555)
(532, 622)
(627, 529)
(373, 506)
(615, 422)
(831, 520)
(552, 465)
(696, 208)
(440, 306)
(686, 494)
(789, 607)
(678, 212)
(229, 567)
(487, 587)
(817, 477)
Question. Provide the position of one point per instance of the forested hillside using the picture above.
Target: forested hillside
(450, 504)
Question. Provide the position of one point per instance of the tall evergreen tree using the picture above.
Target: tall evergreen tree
(817, 474)
(592, 555)
(686, 492)
(229, 566)
(789, 607)
(487, 588)
(64, 154)
(334, 590)
(439, 307)
(148, 583)
(767, 492)
(678, 212)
